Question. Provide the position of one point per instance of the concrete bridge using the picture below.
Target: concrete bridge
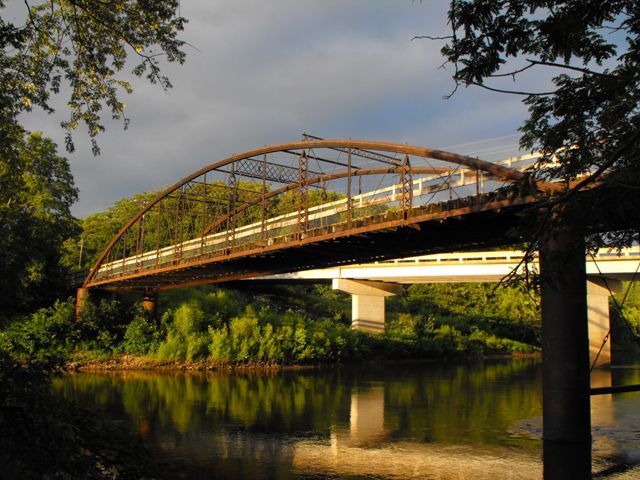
(369, 284)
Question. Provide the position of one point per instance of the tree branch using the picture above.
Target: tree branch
(26, 2)
(599, 171)
(576, 69)
(510, 74)
(512, 92)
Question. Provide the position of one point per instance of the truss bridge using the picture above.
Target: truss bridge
(310, 204)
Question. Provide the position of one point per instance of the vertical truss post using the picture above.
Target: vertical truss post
(349, 188)
(263, 203)
(303, 193)
(323, 199)
(177, 249)
(159, 232)
(140, 241)
(407, 187)
(123, 239)
(204, 213)
(231, 206)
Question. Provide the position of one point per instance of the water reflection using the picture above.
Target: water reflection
(479, 420)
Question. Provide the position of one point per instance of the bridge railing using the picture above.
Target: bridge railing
(503, 256)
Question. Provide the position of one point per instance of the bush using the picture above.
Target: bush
(143, 335)
(103, 323)
(49, 333)
(186, 338)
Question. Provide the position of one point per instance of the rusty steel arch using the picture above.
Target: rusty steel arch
(291, 165)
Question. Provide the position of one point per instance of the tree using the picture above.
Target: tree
(35, 220)
(79, 47)
(98, 229)
(82, 45)
(586, 122)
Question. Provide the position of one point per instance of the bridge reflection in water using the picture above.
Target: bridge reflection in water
(465, 421)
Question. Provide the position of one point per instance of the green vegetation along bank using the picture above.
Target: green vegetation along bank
(287, 325)
(282, 326)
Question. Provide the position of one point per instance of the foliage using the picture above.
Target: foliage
(587, 122)
(506, 311)
(143, 335)
(185, 338)
(98, 230)
(258, 337)
(36, 194)
(49, 334)
(411, 336)
(281, 327)
(106, 327)
(628, 301)
(102, 325)
(276, 328)
(84, 45)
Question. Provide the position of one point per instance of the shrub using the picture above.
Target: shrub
(185, 338)
(142, 335)
(245, 337)
(48, 333)
(220, 346)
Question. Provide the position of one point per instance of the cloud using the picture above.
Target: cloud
(263, 72)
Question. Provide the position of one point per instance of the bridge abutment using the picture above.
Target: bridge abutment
(565, 354)
(367, 302)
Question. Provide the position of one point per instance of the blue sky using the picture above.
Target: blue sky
(263, 72)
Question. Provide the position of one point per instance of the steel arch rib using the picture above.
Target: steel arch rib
(454, 158)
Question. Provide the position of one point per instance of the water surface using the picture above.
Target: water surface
(473, 420)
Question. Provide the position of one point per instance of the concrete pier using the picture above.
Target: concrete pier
(367, 302)
(598, 293)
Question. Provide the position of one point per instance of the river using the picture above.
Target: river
(471, 420)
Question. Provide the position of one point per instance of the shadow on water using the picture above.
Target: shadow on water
(466, 420)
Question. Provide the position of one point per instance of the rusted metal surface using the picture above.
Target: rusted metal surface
(266, 210)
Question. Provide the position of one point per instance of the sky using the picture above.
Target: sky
(260, 73)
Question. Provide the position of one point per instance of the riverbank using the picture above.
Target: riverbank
(148, 363)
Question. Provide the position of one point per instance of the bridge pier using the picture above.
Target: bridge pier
(150, 304)
(598, 293)
(367, 302)
(565, 356)
(81, 299)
